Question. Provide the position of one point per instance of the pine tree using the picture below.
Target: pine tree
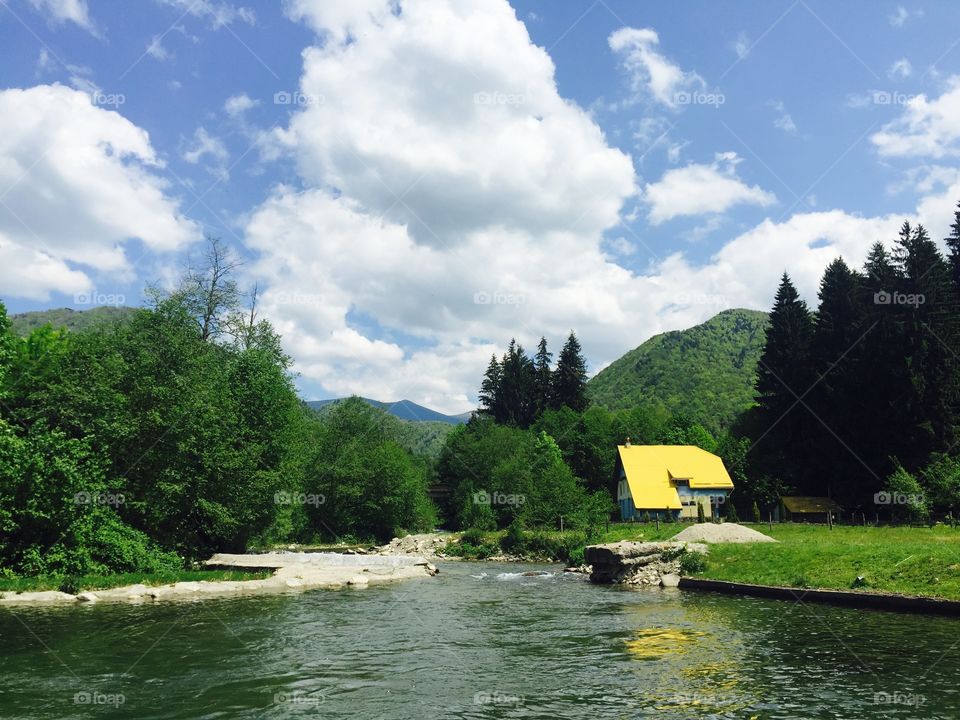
(489, 395)
(953, 243)
(784, 377)
(569, 387)
(835, 347)
(928, 306)
(544, 375)
(517, 387)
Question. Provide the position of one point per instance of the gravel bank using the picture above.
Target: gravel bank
(722, 533)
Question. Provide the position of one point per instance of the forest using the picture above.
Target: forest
(172, 432)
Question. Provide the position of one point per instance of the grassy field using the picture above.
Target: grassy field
(908, 560)
(912, 561)
(100, 582)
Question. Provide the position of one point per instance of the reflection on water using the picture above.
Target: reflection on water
(478, 641)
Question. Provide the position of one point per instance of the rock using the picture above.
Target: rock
(87, 597)
(636, 563)
(358, 581)
(670, 580)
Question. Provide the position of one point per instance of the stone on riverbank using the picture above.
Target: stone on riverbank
(636, 563)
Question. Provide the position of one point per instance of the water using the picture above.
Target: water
(478, 641)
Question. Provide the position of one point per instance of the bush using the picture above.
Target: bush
(692, 563)
(756, 512)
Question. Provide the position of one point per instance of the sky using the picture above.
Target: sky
(412, 183)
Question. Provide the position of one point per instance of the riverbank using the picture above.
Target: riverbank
(910, 561)
(244, 575)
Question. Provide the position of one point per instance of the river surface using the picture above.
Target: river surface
(478, 641)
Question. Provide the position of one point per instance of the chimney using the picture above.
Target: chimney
(627, 443)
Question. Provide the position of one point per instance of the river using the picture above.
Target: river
(478, 641)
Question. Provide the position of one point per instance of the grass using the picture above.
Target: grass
(101, 582)
(907, 560)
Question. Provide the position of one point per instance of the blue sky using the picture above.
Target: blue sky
(414, 183)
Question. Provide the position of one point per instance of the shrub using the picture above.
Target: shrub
(701, 516)
(692, 562)
(756, 512)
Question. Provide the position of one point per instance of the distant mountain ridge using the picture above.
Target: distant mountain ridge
(706, 372)
(75, 320)
(403, 409)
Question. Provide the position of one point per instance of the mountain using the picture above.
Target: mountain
(76, 320)
(424, 437)
(403, 409)
(706, 373)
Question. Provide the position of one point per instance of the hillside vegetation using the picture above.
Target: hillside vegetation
(76, 320)
(706, 373)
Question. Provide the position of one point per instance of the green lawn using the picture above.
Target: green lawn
(100, 582)
(913, 561)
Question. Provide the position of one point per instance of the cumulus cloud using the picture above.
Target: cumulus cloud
(697, 189)
(652, 74)
(444, 207)
(237, 105)
(156, 50)
(63, 11)
(900, 69)
(925, 128)
(898, 18)
(80, 181)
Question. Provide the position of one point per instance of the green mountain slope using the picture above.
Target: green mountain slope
(421, 437)
(706, 372)
(75, 320)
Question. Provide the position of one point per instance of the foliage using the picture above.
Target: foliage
(706, 372)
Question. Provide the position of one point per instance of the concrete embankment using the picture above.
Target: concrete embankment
(291, 572)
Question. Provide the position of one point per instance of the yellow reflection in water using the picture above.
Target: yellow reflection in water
(655, 643)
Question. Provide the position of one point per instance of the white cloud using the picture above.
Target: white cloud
(217, 13)
(699, 189)
(156, 50)
(238, 104)
(79, 183)
(652, 74)
(900, 16)
(741, 46)
(62, 11)
(206, 145)
(783, 121)
(900, 69)
(370, 302)
(925, 128)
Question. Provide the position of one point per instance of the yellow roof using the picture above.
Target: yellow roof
(651, 470)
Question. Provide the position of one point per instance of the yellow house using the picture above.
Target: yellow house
(674, 479)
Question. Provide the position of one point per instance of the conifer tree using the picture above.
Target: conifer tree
(489, 395)
(569, 387)
(544, 375)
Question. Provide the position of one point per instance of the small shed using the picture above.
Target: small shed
(805, 508)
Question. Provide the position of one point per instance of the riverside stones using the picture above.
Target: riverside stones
(637, 563)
